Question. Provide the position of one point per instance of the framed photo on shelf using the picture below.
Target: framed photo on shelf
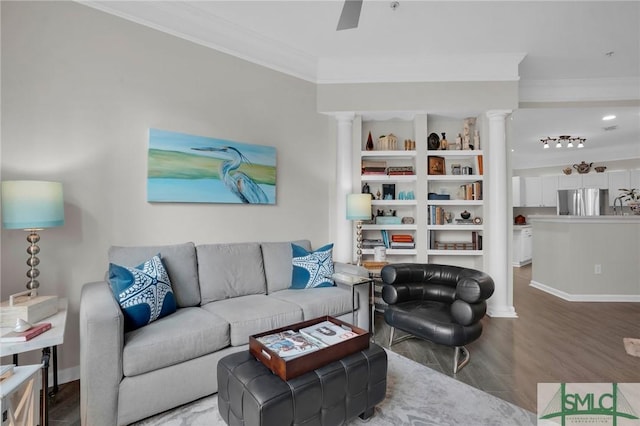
(388, 191)
(436, 165)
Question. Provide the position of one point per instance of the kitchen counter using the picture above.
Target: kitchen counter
(587, 258)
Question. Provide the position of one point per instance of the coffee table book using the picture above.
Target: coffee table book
(288, 369)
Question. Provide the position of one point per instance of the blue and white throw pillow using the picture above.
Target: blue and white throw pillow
(144, 292)
(312, 269)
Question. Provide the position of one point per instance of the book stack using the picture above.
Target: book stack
(472, 191)
(369, 243)
(436, 215)
(476, 240)
(400, 170)
(402, 241)
(370, 167)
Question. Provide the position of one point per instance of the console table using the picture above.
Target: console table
(47, 342)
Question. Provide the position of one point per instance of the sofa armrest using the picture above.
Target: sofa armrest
(101, 346)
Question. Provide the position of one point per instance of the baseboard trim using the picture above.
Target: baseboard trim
(585, 297)
(66, 375)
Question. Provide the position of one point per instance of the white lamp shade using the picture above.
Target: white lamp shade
(359, 206)
(30, 204)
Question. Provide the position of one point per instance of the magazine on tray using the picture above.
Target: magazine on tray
(328, 332)
(289, 344)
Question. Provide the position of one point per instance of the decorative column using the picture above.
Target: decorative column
(499, 265)
(343, 245)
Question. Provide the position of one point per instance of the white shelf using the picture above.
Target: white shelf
(394, 202)
(388, 154)
(454, 252)
(453, 227)
(455, 202)
(393, 252)
(387, 178)
(455, 178)
(367, 227)
(454, 153)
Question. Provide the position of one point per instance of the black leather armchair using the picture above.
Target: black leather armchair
(440, 303)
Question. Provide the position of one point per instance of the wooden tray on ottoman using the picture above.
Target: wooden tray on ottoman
(287, 369)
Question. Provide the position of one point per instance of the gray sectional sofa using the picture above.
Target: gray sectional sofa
(224, 294)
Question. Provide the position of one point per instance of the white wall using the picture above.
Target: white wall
(81, 88)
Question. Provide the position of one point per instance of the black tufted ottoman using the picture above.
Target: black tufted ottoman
(250, 394)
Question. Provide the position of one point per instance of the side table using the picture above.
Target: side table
(353, 281)
(47, 342)
(18, 394)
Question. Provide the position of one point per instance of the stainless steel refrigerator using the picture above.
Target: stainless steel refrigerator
(582, 201)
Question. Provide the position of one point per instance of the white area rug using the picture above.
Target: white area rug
(416, 396)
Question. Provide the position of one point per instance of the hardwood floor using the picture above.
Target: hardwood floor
(552, 340)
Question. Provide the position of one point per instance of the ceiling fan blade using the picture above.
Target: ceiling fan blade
(350, 15)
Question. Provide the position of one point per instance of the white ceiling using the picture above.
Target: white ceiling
(557, 50)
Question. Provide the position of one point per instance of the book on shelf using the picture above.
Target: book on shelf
(402, 238)
(436, 215)
(290, 344)
(371, 243)
(385, 237)
(472, 190)
(400, 170)
(374, 167)
(328, 332)
(23, 336)
(403, 245)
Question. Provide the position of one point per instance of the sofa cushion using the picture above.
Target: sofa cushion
(187, 334)
(230, 270)
(144, 292)
(178, 259)
(254, 314)
(312, 269)
(278, 267)
(317, 302)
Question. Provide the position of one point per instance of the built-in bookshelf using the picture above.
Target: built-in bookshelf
(406, 203)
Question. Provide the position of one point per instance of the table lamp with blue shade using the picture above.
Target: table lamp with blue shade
(32, 206)
(359, 209)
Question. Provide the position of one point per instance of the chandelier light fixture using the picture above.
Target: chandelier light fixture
(563, 139)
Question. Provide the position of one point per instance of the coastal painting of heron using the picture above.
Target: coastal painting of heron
(185, 168)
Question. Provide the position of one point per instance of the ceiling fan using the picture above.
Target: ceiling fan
(350, 15)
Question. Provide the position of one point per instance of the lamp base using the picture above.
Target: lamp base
(30, 309)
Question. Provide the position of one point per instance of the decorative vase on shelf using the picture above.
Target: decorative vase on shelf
(433, 141)
(444, 144)
(465, 215)
(369, 146)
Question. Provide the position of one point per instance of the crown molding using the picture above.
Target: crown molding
(220, 35)
(419, 68)
(580, 90)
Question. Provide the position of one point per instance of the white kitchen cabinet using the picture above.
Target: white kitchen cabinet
(532, 191)
(617, 179)
(522, 245)
(538, 191)
(549, 186)
(573, 181)
(595, 180)
(517, 191)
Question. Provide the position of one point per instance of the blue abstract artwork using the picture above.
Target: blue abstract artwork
(185, 168)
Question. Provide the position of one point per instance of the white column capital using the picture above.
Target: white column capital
(497, 114)
(344, 116)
